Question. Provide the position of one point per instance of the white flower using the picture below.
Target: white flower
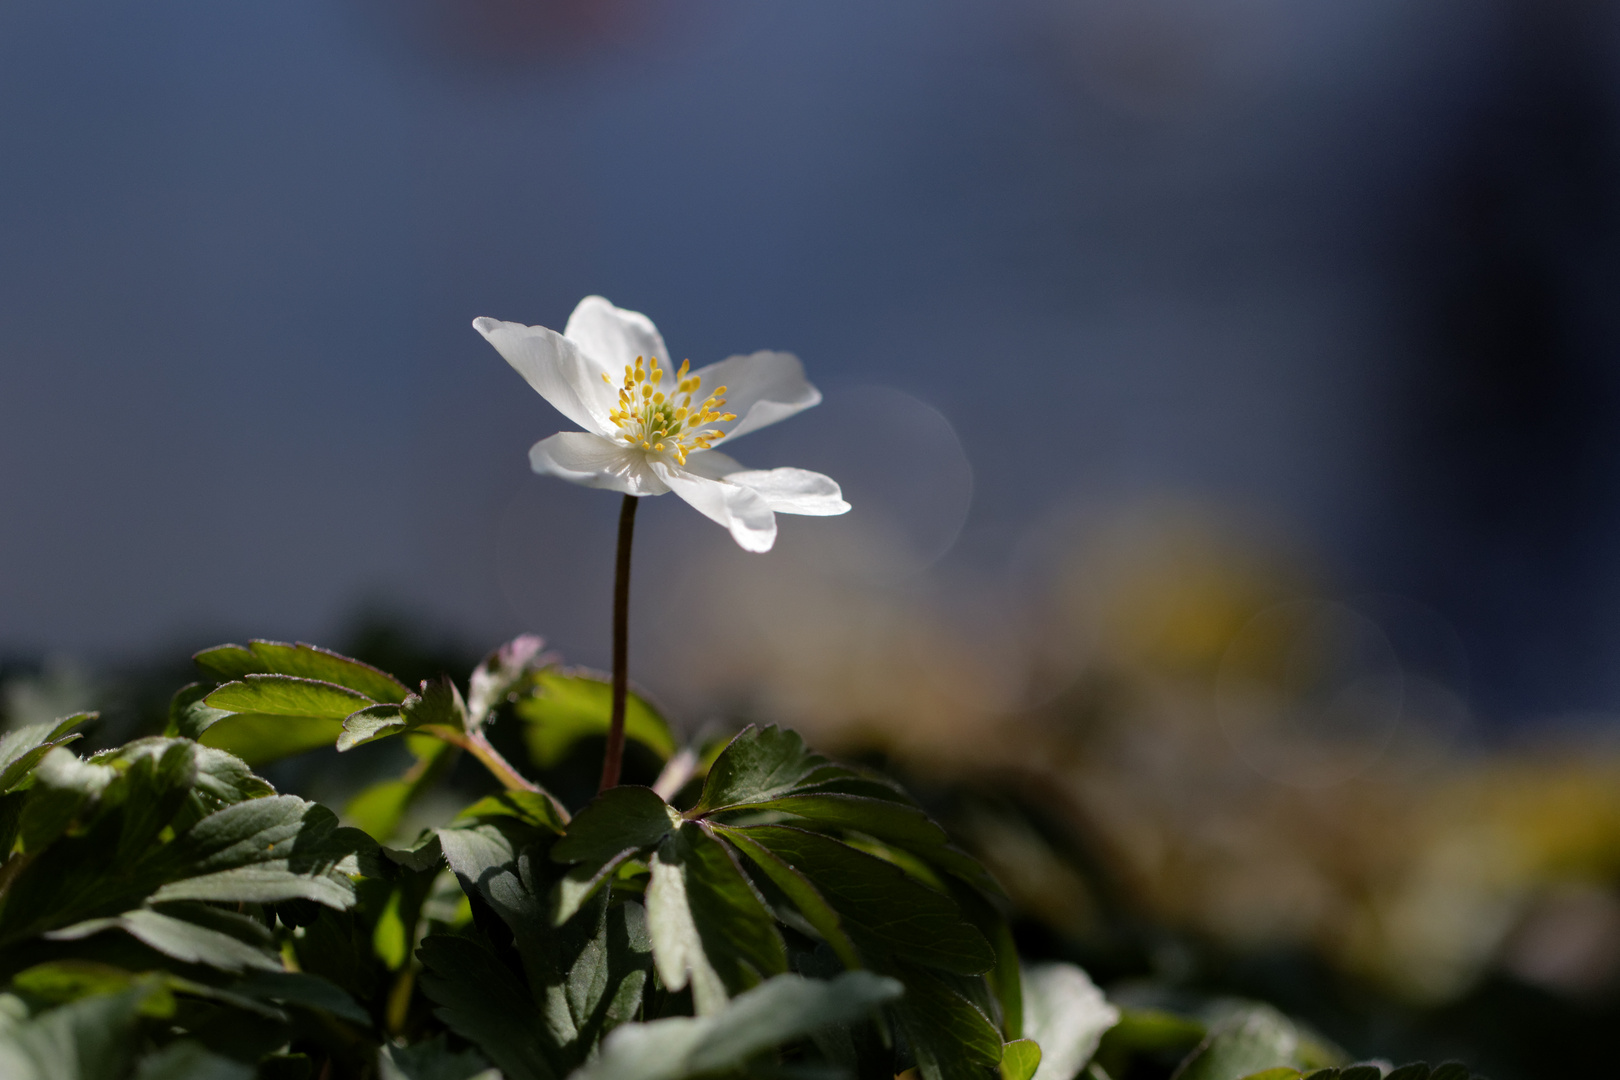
(649, 431)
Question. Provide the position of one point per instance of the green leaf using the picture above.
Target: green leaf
(610, 829)
(302, 989)
(781, 1009)
(22, 749)
(1417, 1070)
(759, 764)
(709, 927)
(1067, 1015)
(89, 1039)
(805, 897)
(1019, 1060)
(228, 662)
(371, 723)
(885, 819)
(485, 859)
(187, 1059)
(1251, 1040)
(178, 939)
(380, 808)
(481, 1000)
(61, 981)
(1282, 1073)
(1450, 1070)
(950, 1036)
(566, 706)
(286, 695)
(432, 1059)
(258, 738)
(530, 807)
(884, 910)
(263, 851)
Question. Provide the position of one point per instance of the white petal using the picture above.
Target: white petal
(742, 510)
(565, 376)
(761, 388)
(711, 464)
(583, 458)
(794, 491)
(614, 336)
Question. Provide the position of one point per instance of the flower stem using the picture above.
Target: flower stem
(614, 757)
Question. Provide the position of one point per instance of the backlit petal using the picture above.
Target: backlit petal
(761, 388)
(613, 336)
(741, 510)
(794, 491)
(596, 462)
(555, 366)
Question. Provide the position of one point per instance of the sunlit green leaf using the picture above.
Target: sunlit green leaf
(759, 764)
(783, 1008)
(1067, 1015)
(229, 662)
(23, 748)
(709, 927)
(176, 938)
(286, 695)
(566, 706)
(1019, 1060)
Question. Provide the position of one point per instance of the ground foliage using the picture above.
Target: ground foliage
(758, 911)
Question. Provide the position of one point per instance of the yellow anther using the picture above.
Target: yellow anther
(646, 391)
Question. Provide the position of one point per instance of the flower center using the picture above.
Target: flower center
(661, 423)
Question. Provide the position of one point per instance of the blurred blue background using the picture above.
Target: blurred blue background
(1345, 274)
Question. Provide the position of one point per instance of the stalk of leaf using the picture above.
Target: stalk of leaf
(613, 757)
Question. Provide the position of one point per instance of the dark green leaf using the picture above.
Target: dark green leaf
(1450, 1070)
(784, 1008)
(530, 807)
(299, 988)
(883, 909)
(1361, 1072)
(432, 1059)
(610, 829)
(187, 1059)
(1066, 1014)
(708, 925)
(482, 1001)
(759, 764)
(228, 662)
(22, 749)
(88, 1039)
(805, 897)
(951, 1038)
(178, 939)
(263, 851)
(1417, 1070)
(372, 722)
(1019, 1060)
(566, 706)
(885, 819)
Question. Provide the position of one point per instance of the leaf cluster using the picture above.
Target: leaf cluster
(164, 912)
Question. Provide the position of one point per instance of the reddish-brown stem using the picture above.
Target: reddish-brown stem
(613, 758)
